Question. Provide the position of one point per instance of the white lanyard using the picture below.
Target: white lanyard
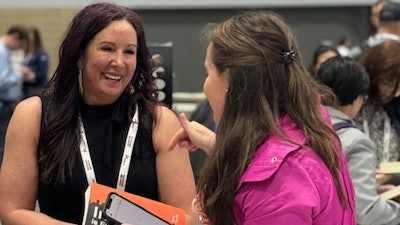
(386, 134)
(126, 157)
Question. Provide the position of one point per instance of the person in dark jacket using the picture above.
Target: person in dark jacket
(37, 60)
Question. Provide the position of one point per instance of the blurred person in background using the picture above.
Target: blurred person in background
(380, 115)
(385, 17)
(10, 79)
(321, 53)
(344, 46)
(37, 60)
(349, 81)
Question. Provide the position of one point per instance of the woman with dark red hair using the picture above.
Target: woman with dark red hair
(99, 108)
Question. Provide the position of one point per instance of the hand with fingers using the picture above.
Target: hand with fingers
(193, 135)
(382, 178)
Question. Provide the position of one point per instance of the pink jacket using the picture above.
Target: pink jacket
(288, 184)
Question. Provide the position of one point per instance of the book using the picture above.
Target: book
(97, 194)
(395, 192)
(390, 167)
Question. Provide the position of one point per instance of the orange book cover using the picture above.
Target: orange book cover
(96, 195)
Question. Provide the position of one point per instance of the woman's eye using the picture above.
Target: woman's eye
(106, 48)
(131, 52)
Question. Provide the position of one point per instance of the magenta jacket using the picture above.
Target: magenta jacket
(286, 184)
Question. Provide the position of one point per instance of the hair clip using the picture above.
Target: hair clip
(289, 56)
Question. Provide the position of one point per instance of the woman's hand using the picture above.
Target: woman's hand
(384, 188)
(193, 135)
(382, 178)
(29, 75)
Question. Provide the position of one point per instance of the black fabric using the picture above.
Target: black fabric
(106, 129)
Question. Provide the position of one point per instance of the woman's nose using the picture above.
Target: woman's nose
(117, 59)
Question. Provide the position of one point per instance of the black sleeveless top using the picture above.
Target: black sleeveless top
(106, 129)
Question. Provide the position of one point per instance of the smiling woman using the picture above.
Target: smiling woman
(100, 100)
(108, 63)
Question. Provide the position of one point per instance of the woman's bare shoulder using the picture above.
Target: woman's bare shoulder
(31, 106)
(164, 112)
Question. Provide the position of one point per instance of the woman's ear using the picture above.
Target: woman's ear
(79, 63)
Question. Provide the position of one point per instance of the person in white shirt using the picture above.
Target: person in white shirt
(386, 20)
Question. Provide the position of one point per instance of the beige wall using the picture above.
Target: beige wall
(52, 24)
